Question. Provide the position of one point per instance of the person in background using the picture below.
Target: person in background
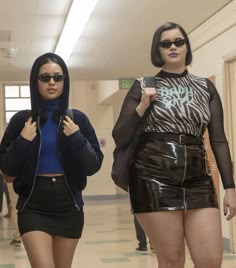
(16, 239)
(4, 190)
(171, 188)
(49, 154)
(142, 239)
(12, 213)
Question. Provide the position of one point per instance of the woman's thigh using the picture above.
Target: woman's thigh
(38, 246)
(204, 236)
(63, 251)
(165, 230)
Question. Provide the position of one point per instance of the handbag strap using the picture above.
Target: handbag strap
(148, 81)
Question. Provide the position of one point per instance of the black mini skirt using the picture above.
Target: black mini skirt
(51, 209)
(169, 176)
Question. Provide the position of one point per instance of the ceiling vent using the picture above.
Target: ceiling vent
(9, 52)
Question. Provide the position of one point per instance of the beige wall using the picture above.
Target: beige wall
(90, 97)
(1, 111)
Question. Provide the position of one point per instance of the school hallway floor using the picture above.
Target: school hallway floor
(108, 241)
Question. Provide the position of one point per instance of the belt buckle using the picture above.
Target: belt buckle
(181, 136)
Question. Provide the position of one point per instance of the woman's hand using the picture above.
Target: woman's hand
(29, 130)
(7, 178)
(148, 95)
(69, 127)
(230, 203)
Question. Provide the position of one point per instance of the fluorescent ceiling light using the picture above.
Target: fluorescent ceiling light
(77, 18)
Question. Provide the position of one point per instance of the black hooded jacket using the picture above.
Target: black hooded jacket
(80, 152)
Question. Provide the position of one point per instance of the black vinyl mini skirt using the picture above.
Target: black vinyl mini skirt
(51, 209)
(169, 176)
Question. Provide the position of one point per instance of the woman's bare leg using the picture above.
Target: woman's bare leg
(38, 246)
(49, 251)
(63, 251)
(204, 237)
(166, 232)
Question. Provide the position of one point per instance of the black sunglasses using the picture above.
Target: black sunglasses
(46, 78)
(168, 44)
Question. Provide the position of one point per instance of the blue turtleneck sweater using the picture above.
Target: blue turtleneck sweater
(49, 160)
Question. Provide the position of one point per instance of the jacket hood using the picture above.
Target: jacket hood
(34, 93)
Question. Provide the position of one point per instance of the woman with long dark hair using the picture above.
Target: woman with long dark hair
(48, 152)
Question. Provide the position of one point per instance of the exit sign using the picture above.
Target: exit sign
(126, 83)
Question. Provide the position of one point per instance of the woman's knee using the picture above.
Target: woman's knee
(36, 263)
(171, 260)
(209, 261)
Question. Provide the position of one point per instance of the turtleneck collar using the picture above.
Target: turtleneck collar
(50, 105)
(165, 74)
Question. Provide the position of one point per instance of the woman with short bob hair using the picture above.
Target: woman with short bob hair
(155, 51)
(171, 189)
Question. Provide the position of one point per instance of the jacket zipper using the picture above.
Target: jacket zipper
(76, 205)
(32, 188)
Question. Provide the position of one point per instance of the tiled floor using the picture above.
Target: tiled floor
(108, 241)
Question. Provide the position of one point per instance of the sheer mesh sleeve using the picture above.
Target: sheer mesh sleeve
(218, 139)
(128, 119)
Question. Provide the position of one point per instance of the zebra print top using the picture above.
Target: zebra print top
(185, 104)
(182, 104)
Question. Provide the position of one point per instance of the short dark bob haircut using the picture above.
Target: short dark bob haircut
(155, 49)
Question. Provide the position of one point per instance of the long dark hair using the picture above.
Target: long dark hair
(35, 98)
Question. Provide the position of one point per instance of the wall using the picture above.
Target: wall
(1, 111)
(212, 43)
(88, 97)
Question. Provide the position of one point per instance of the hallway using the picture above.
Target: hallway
(108, 241)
